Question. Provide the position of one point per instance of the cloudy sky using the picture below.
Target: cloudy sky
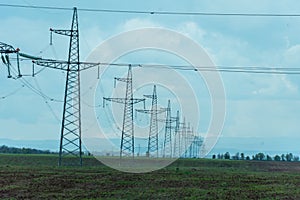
(257, 105)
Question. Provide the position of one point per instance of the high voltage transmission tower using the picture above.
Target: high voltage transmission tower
(182, 136)
(169, 146)
(153, 132)
(176, 143)
(187, 139)
(195, 146)
(127, 138)
(190, 137)
(70, 138)
(168, 132)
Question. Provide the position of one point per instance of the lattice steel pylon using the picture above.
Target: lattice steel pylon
(153, 132)
(183, 137)
(177, 136)
(127, 138)
(70, 138)
(168, 132)
(190, 141)
(196, 145)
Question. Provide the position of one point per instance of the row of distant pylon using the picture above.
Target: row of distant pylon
(179, 138)
(70, 137)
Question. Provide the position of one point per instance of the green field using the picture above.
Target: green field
(38, 177)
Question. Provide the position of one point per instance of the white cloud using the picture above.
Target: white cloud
(275, 85)
(138, 23)
(192, 29)
(291, 55)
(223, 49)
(268, 118)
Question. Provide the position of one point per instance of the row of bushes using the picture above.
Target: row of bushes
(259, 156)
(6, 149)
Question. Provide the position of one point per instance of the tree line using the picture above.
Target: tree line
(6, 149)
(259, 156)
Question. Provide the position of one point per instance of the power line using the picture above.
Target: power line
(155, 12)
(234, 69)
(12, 93)
(220, 68)
(35, 90)
(46, 102)
(217, 68)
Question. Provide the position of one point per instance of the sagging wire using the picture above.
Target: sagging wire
(12, 93)
(46, 102)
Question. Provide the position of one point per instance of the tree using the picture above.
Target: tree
(6, 149)
(214, 156)
(242, 156)
(269, 158)
(296, 158)
(289, 157)
(277, 158)
(282, 157)
(260, 156)
(222, 156)
(227, 155)
(247, 158)
(237, 156)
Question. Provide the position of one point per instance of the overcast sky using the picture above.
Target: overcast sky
(257, 105)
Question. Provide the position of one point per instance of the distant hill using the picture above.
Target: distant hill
(51, 145)
(6, 149)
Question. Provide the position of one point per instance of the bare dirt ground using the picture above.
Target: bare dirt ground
(38, 177)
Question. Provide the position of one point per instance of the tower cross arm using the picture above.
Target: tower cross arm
(123, 79)
(63, 65)
(122, 100)
(157, 111)
(63, 32)
(150, 96)
(144, 111)
(54, 64)
(134, 101)
(165, 120)
(115, 100)
(6, 48)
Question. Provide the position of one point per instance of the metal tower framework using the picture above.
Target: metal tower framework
(177, 139)
(168, 132)
(70, 137)
(183, 137)
(127, 138)
(153, 132)
(195, 146)
(190, 138)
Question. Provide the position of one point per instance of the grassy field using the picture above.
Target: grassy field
(38, 177)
